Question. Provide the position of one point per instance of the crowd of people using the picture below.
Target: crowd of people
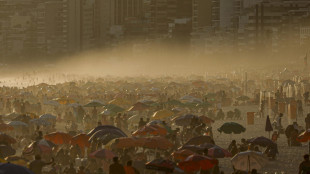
(142, 126)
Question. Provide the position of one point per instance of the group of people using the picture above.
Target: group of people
(66, 101)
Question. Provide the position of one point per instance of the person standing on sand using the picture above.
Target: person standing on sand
(304, 167)
(232, 148)
(307, 120)
(116, 168)
(275, 136)
(129, 169)
(36, 165)
(141, 123)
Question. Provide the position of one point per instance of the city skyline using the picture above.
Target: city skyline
(40, 29)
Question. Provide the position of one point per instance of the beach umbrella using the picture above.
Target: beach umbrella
(46, 143)
(94, 103)
(6, 151)
(249, 160)
(18, 124)
(114, 108)
(59, 137)
(206, 119)
(231, 127)
(147, 102)
(262, 141)
(17, 160)
(160, 123)
(150, 130)
(6, 139)
(51, 103)
(304, 137)
(194, 148)
(107, 138)
(104, 127)
(214, 151)
(35, 147)
(155, 143)
(74, 105)
(162, 114)
(197, 162)
(40, 122)
(134, 119)
(203, 105)
(160, 165)
(32, 115)
(211, 95)
(187, 97)
(12, 115)
(102, 133)
(153, 89)
(268, 126)
(64, 100)
(81, 140)
(200, 140)
(182, 154)
(107, 112)
(218, 152)
(196, 100)
(191, 99)
(191, 105)
(155, 122)
(102, 154)
(122, 143)
(9, 168)
(41, 146)
(184, 120)
(29, 150)
(48, 117)
(175, 103)
(5, 127)
(178, 110)
(22, 118)
(138, 107)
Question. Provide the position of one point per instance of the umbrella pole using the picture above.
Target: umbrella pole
(309, 146)
(249, 163)
(269, 134)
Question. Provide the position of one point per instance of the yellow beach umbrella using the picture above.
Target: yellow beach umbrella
(64, 101)
(162, 114)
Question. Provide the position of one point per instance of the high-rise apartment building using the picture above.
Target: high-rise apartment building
(171, 20)
(48, 28)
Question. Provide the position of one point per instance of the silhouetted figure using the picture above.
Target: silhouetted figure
(129, 169)
(141, 123)
(304, 167)
(232, 148)
(37, 165)
(116, 168)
